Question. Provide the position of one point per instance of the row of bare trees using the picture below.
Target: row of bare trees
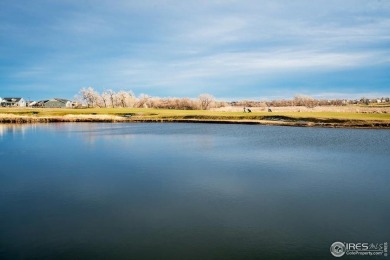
(307, 101)
(123, 98)
(109, 98)
(298, 100)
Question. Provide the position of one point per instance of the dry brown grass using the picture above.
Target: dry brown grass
(321, 116)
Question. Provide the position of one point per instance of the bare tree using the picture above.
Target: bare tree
(121, 98)
(111, 97)
(205, 101)
(90, 96)
(302, 100)
(142, 100)
(126, 98)
(105, 97)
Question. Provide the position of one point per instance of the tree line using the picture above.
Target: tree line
(127, 99)
(310, 102)
(111, 99)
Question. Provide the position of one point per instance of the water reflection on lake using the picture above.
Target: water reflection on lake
(189, 191)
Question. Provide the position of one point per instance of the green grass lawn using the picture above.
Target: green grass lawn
(144, 113)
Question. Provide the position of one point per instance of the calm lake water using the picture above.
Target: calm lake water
(190, 191)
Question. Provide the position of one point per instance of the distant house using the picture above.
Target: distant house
(13, 102)
(57, 103)
(32, 104)
(29, 102)
(38, 103)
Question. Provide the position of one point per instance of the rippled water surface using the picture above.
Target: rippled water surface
(190, 191)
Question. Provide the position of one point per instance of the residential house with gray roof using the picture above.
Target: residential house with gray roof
(13, 102)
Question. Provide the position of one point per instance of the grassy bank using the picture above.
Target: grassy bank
(328, 119)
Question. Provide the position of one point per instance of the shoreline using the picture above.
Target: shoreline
(273, 121)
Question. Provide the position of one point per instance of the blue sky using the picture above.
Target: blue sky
(230, 49)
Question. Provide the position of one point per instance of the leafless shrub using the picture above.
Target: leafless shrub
(205, 101)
